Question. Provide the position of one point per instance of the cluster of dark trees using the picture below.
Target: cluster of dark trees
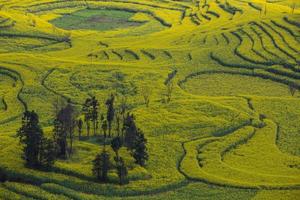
(42, 152)
(38, 151)
(127, 135)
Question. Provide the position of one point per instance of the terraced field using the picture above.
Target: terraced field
(230, 131)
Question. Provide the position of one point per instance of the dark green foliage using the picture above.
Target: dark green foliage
(104, 128)
(87, 111)
(130, 131)
(79, 125)
(101, 166)
(122, 171)
(118, 123)
(122, 111)
(139, 149)
(135, 141)
(30, 135)
(3, 176)
(38, 151)
(110, 112)
(60, 139)
(67, 117)
(262, 117)
(47, 153)
(94, 112)
(64, 126)
(101, 121)
(116, 144)
(123, 107)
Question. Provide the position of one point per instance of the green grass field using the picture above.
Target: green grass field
(96, 20)
(230, 131)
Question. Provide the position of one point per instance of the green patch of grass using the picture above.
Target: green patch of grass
(96, 20)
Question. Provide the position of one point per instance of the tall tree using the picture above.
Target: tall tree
(67, 117)
(79, 125)
(87, 111)
(130, 130)
(139, 150)
(101, 166)
(122, 171)
(110, 112)
(47, 153)
(101, 121)
(118, 123)
(94, 113)
(60, 139)
(38, 151)
(57, 105)
(104, 128)
(116, 144)
(30, 135)
(123, 109)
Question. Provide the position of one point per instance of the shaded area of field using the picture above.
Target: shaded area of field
(102, 19)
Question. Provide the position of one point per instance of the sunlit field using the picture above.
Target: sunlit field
(213, 87)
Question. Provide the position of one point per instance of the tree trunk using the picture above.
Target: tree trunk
(94, 127)
(63, 148)
(71, 141)
(109, 129)
(88, 129)
(79, 134)
(118, 127)
(117, 155)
